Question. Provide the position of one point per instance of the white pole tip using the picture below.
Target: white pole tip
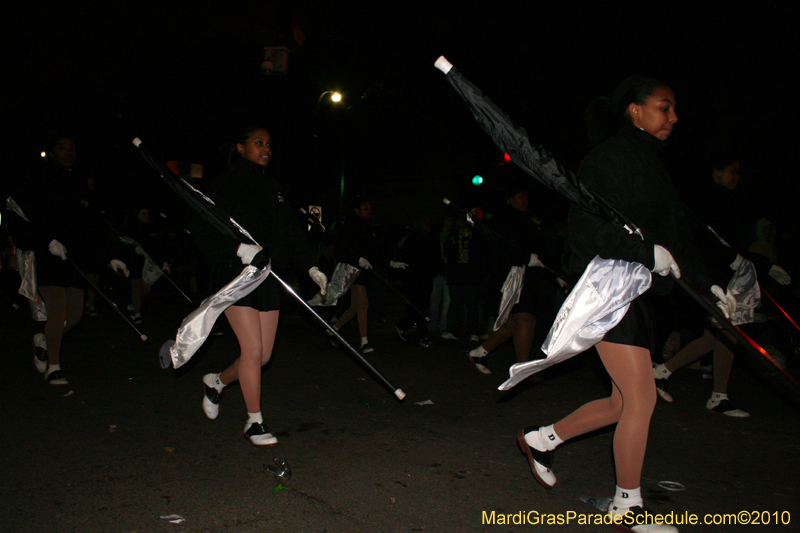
(400, 394)
(443, 64)
(137, 141)
(144, 338)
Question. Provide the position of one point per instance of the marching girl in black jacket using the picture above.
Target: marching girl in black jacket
(61, 222)
(252, 197)
(626, 172)
(519, 247)
(357, 246)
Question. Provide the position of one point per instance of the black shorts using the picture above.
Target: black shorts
(266, 297)
(635, 328)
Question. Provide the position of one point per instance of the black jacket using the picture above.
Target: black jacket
(356, 240)
(626, 172)
(253, 198)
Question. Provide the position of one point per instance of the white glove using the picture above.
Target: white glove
(247, 252)
(780, 275)
(363, 263)
(398, 264)
(534, 262)
(57, 249)
(737, 262)
(117, 265)
(319, 278)
(165, 268)
(665, 263)
(726, 303)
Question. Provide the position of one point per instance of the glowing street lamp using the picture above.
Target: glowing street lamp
(336, 97)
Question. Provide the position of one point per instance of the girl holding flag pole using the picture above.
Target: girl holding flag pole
(251, 195)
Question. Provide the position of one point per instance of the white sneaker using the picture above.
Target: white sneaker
(211, 397)
(449, 336)
(260, 435)
(480, 364)
(727, 408)
(474, 338)
(40, 352)
(540, 462)
(56, 377)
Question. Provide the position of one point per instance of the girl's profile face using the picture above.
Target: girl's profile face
(64, 153)
(364, 210)
(657, 115)
(257, 148)
(519, 201)
(728, 177)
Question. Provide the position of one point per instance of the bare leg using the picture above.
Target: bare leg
(523, 335)
(362, 301)
(356, 294)
(255, 332)
(74, 310)
(498, 337)
(723, 361)
(137, 295)
(64, 306)
(692, 351)
(630, 405)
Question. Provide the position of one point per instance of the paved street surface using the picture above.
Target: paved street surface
(126, 443)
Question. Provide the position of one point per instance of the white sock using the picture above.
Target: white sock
(544, 440)
(624, 499)
(364, 341)
(661, 372)
(480, 351)
(217, 383)
(717, 397)
(254, 418)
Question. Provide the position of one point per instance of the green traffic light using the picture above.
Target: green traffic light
(477, 180)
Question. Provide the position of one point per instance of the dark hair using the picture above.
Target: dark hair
(240, 136)
(604, 116)
(718, 160)
(633, 89)
(54, 137)
(360, 200)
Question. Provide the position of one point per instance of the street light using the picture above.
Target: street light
(336, 97)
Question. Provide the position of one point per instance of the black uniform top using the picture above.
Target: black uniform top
(55, 207)
(252, 197)
(626, 172)
(356, 240)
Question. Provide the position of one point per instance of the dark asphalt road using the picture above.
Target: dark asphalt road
(130, 444)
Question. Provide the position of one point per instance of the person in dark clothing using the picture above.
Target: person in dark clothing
(721, 212)
(252, 196)
(420, 251)
(357, 246)
(516, 245)
(463, 272)
(61, 222)
(626, 172)
(145, 232)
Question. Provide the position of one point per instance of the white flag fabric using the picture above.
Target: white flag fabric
(196, 327)
(596, 304)
(26, 265)
(150, 271)
(342, 278)
(744, 287)
(512, 289)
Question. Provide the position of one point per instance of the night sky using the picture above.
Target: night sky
(181, 74)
